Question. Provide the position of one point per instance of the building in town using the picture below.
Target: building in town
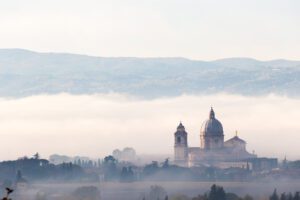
(213, 150)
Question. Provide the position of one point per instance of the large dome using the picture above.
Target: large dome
(212, 126)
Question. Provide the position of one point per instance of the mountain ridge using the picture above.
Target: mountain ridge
(24, 72)
(135, 57)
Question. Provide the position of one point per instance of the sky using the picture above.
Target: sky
(196, 29)
(95, 125)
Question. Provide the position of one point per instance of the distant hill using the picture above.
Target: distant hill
(24, 73)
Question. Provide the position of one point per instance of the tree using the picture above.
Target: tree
(90, 163)
(274, 196)
(79, 162)
(127, 174)
(110, 167)
(110, 159)
(290, 196)
(36, 156)
(283, 196)
(166, 163)
(130, 174)
(216, 193)
(99, 162)
(157, 192)
(124, 174)
(151, 168)
(296, 196)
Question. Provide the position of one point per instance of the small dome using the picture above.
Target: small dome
(212, 126)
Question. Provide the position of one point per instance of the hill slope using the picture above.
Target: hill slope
(25, 73)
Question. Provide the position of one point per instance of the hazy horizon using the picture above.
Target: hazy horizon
(94, 125)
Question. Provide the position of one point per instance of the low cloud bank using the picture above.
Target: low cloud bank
(94, 125)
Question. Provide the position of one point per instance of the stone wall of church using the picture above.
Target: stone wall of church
(181, 155)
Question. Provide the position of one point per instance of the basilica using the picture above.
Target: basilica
(213, 150)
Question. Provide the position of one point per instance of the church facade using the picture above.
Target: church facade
(213, 150)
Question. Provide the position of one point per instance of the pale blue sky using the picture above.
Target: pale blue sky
(198, 29)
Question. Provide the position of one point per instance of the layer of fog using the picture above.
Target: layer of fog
(137, 190)
(94, 125)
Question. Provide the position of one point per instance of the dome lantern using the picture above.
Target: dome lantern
(211, 113)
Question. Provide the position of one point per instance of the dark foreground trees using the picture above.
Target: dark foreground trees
(285, 196)
(216, 193)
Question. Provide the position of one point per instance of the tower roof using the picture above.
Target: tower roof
(180, 129)
(180, 126)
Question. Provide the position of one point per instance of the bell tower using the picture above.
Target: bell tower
(181, 146)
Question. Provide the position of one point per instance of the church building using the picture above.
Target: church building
(213, 150)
